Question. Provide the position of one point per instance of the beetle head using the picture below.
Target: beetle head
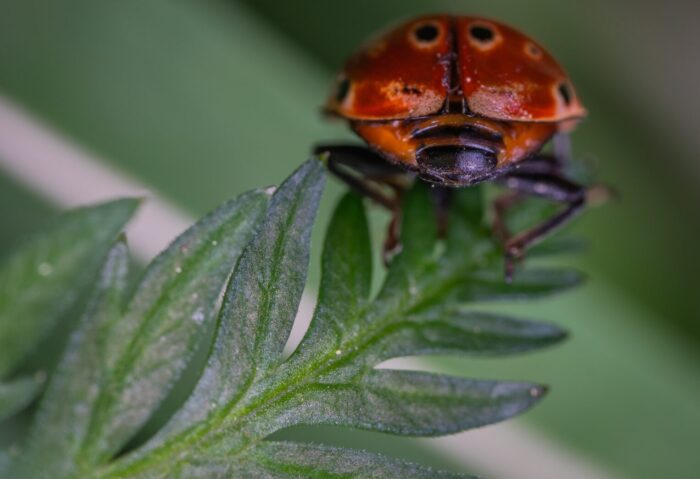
(456, 165)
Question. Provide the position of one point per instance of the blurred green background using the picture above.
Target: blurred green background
(203, 100)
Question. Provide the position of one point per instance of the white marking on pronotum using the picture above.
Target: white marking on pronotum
(67, 175)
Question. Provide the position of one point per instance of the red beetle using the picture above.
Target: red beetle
(456, 101)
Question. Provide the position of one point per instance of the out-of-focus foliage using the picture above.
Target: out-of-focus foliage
(41, 281)
(44, 278)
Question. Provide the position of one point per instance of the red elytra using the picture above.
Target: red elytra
(503, 74)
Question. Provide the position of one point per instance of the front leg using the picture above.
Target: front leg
(372, 176)
(535, 182)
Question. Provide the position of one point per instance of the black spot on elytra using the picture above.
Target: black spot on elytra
(343, 90)
(481, 33)
(426, 33)
(565, 93)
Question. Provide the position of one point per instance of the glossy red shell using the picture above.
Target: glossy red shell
(506, 76)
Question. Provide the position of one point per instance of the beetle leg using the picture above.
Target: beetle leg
(442, 199)
(366, 172)
(392, 242)
(562, 148)
(549, 186)
(371, 176)
(500, 206)
(544, 164)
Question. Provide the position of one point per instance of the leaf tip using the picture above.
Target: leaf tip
(130, 203)
(538, 391)
(578, 278)
(554, 334)
(530, 395)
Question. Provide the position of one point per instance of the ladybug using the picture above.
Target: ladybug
(456, 101)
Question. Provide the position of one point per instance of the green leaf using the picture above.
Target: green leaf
(44, 277)
(152, 342)
(405, 402)
(465, 333)
(346, 265)
(418, 241)
(289, 460)
(346, 277)
(467, 235)
(261, 301)
(248, 389)
(18, 394)
(61, 424)
(528, 284)
(418, 227)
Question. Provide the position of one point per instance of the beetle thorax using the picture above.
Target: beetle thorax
(455, 149)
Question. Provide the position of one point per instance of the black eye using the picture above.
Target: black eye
(565, 93)
(426, 33)
(343, 90)
(481, 33)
